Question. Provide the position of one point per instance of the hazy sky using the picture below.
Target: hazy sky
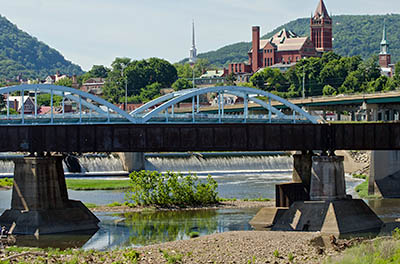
(89, 32)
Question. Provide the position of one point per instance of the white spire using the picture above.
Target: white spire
(193, 50)
(384, 42)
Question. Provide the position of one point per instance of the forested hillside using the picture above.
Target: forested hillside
(353, 35)
(23, 54)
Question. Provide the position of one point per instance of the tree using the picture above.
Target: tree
(329, 90)
(150, 92)
(182, 84)
(230, 79)
(270, 80)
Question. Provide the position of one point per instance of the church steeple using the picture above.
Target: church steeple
(193, 50)
(384, 42)
(384, 55)
(321, 28)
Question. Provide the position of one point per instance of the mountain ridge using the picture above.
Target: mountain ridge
(21, 53)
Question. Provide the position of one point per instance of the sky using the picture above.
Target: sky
(95, 32)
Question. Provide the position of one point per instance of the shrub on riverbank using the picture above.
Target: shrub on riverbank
(383, 250)
(6, 182)
(362, 190)
(171, 189)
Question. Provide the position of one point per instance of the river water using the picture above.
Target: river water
(237, 177)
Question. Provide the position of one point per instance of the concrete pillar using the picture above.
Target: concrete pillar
(385, 174)
(302, 164)
(132, 161)
(327, 178)
(40, 203)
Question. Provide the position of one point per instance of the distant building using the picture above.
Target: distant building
(94, 86)
(387, 68)
(15, 102)
(51, 79)
(212, 77)
(286, 48)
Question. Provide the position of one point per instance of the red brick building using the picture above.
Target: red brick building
(285, 48)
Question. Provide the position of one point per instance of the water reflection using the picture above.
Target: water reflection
(139, 229)
(387, 209)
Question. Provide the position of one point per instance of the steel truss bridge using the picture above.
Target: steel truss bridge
(90, 109)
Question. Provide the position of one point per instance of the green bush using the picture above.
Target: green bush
(171, 189)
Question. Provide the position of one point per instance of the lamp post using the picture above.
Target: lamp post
(126, 86)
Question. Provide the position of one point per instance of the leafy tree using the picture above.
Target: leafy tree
(45, 100)
(150, 92)
(329, 90)
(230, 79)
(182, 84)
(270, 80)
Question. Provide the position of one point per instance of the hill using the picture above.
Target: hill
(23, 54)
(353, 35)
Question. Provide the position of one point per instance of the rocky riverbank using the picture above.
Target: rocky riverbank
(230, 247)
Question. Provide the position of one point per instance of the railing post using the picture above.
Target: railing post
(198, 104)
(22, 107)
(219, 107)
(246, 107)
(222, 105)
(108, 115)
(63, 104)
(8, 106)
(51, 106)
(36, 109)
(193, 110)
(269, 110)
(80, 109)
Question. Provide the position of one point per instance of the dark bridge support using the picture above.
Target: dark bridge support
(328, 210)
(40, 203)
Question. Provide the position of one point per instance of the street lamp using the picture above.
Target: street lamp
(123, 66)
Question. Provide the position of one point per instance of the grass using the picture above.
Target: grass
(89, 185)
(359, 176)
(362, 190)
(260, 199)
(385, 250)
(84, 185)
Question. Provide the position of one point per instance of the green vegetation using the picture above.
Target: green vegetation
(89, 185)
(143, 79)
(384, 250)
(329, 75)
(362, 190)
(171, 189)
(6, 182)
(23, 54)
(171, 258)
(360, 176)
(91, 205)
(276, 253)
(194, 234)
(365, 43)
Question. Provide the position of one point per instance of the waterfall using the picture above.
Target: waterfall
(220, 164)
(101, 164)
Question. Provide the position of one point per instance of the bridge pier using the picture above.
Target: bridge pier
(132, 161)
(40, 203)
(328, 208)
(385, 173)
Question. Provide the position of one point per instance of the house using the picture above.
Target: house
(94, 86)
(51, 79)
(15, 102)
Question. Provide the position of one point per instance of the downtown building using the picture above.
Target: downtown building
(286, 48)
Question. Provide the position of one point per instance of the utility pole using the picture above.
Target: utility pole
(304, 80)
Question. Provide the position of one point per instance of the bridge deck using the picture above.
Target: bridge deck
(200, 137)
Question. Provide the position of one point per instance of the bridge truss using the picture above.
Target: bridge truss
(87, 108)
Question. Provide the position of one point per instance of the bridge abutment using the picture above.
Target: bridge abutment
(40, 203)
(132, 161)
(328, 210)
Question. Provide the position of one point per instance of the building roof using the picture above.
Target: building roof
(93, 81)
(321, 11)
(284, 40)
(213, 74)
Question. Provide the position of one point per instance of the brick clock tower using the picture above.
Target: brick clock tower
(321, 29)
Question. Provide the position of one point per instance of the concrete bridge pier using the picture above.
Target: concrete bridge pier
(40, 203)
(328, 209)
(132, 161)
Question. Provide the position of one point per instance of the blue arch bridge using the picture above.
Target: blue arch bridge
(40, 201)
(91, 109)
